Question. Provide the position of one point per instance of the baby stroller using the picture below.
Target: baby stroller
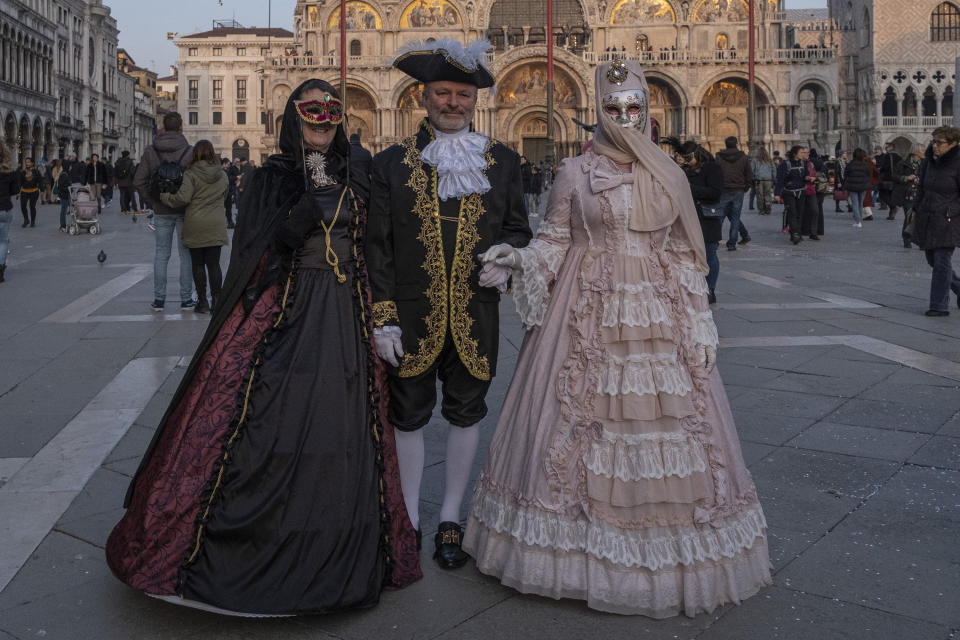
(83, 211)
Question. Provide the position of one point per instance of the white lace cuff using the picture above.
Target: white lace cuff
(704, 329)
(391, 331)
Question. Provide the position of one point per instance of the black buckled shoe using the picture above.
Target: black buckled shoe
(449, 554)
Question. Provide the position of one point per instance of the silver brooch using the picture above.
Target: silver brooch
(317, 164)
(617, 73)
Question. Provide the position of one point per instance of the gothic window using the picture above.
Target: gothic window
(945, 23)
(909, 102)
(928, 105)
(865, 30)
(946, 106)
(355, 48)
(889, 106)
(643, 43)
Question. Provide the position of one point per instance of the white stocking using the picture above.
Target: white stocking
(461, 450)
(410, 461)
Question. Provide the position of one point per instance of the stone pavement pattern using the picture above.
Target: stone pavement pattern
(845, 396)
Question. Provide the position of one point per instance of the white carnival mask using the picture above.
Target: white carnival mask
(627, 108)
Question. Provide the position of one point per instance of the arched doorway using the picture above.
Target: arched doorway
(813, 116)
(525, 87)
(666, 108)
(240, 149)
(725, 111)
(362, 114)
(10, 131)
(410, 110)
(23, 140)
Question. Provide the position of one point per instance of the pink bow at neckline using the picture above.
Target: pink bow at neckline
(604, 176)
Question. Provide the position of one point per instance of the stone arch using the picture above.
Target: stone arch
(725, 103)
(10, 131)
(531, 142)
(527, 82)
(764, 93)
(430, 14)
(410, 108)
(929, 103)
(813, 113)
(362, 111)
(946, 103)
(240, 149)
(667, 102)
(565, 61)
(818, 85)
(909, 103)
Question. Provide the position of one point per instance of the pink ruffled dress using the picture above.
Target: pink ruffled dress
(615, 475)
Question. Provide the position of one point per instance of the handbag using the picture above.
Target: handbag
(711, 210)
(840, 195)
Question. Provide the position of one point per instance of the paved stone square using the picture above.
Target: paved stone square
(845, 396)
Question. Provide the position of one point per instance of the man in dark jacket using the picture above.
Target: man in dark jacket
(168, 146)
(737, 178)
(75, 169)
(435, 313)
(31, 182)
(232, 173)
(124, 171)
(96, 178)
(886, 165)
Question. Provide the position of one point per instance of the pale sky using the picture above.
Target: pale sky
(144, 25)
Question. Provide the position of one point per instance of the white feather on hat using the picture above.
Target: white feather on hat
(471, 57)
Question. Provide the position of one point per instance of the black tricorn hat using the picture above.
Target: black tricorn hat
(446, 60)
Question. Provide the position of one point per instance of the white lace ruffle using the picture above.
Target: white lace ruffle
(540, 262)
(644, 374)
(460, 159)
(704, 329)
(692, 280)
(645, 456)
(653, 547)
(633, 305)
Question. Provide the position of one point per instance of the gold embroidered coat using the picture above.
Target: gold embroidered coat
(422, 254)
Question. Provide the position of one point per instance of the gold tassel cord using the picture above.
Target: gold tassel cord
(331, 255)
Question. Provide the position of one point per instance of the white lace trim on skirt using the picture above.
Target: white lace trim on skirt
(651, 547)
(692, 280)
(633, 305)
(644, 374)
(644, 456)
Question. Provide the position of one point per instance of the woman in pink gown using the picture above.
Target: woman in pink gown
(615, 475)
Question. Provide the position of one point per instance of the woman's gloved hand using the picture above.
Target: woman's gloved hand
(303, 218)
(502, 255)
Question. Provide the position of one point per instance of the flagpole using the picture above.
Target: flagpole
(343, 53)
(751, 82)
(551, 151)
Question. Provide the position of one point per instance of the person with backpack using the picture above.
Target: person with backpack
(793, 176)
(202, 194)
(124, 171)
(821, 187)
(161, 171)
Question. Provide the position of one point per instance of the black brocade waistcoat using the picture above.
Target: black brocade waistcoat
(422, 254)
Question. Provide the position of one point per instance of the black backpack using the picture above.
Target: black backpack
(168, 176)
(123, 169)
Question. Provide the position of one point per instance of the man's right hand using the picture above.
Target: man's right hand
(387, 342)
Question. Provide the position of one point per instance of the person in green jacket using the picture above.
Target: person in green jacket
(204, 225)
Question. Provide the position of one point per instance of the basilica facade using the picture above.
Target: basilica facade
(859, 73)
(694, 53)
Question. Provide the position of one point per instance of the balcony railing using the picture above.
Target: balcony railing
(768, 56)
(241, 102)
(192, 102)
(915, 122)
(216, 103)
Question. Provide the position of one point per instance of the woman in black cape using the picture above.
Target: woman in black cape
(271, 486)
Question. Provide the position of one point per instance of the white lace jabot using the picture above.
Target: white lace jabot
(460, 160)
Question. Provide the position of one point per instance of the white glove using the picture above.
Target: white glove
(388, 345)
(494, 275)
(503, 255)
(709, 357)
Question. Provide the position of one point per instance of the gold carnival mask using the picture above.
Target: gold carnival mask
(323, 111)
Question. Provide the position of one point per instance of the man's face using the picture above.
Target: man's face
(28, 163)
(803, 154)
(450, 105)
(95, 158)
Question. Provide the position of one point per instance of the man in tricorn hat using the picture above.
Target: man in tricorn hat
(439, 199)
